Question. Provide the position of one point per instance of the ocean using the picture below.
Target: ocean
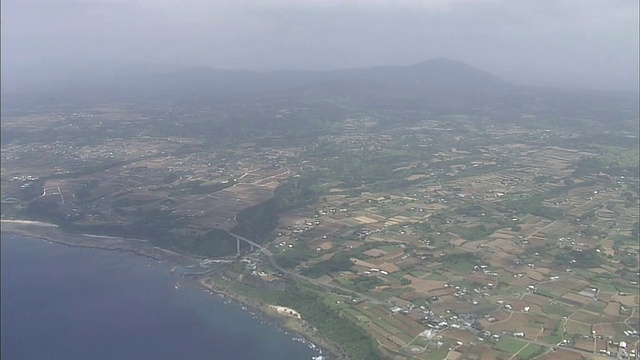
(61, 302)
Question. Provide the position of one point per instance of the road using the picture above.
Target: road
(273, 263)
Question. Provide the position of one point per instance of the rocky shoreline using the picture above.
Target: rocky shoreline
(52, 233)
(291, 324)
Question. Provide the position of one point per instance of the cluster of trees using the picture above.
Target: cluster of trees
(463, 257)
(32, 190)
(474, 233)
(533, 205)
(84, 191)
(293, 256)
(154, 225)
(594, 165)
(542, 250)
(338, 262)
(297, 192)
(592, 231)
(471, 210)
(213, 243)
(94, 168)
(630, 199)
(423, 227)
(545, 179)
(367, 282)
(360, 167)
(257, 222)
(170, 178)
(48, 210)
(587, 215)
(583, 259)
(629, 261)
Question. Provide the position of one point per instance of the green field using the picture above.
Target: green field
(398, 275)
(437, 354)
(557, 336)
(626, 240)
(595, 306)
(437, 276)
(531, 351)
(421, 341)
(556, 309)
(621, 156)
(463, 267)
(356, 314)
(510, 345)
(548, 291)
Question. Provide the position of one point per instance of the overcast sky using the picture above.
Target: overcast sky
(568, 43)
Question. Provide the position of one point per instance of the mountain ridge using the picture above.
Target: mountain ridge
(87, 77)
(437, 87)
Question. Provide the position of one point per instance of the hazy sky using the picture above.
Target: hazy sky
(574, 43)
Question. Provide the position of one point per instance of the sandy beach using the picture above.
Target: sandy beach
(29, 222)
(282, 315)
(282, 310)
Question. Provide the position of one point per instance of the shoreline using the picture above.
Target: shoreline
(287, 322)
(54, 234)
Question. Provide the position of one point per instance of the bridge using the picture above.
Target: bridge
(272, 261)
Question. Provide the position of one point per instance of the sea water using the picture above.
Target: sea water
(60, 302)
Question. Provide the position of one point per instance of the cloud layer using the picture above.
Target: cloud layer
(586, 43)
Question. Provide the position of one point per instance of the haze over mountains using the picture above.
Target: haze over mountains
(435, 74)
(431, 76)
(442, 86)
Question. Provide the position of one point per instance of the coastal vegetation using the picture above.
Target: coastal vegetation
(331, 322)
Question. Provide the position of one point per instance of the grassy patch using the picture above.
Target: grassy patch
(440, 353)
(558, 310)
(385, 325)
(510, 345)
(389, 248)
(438, 276)
(625, 288)
(547, 291)
(462, 267)
(416, 273)
(398, 275)
(355, 314)
(595, 306)
(421, 341)
(531, 351)
(604, 285)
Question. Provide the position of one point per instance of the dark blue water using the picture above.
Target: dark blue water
(60, 302)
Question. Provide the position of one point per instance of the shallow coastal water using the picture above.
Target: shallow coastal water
(60, 302)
